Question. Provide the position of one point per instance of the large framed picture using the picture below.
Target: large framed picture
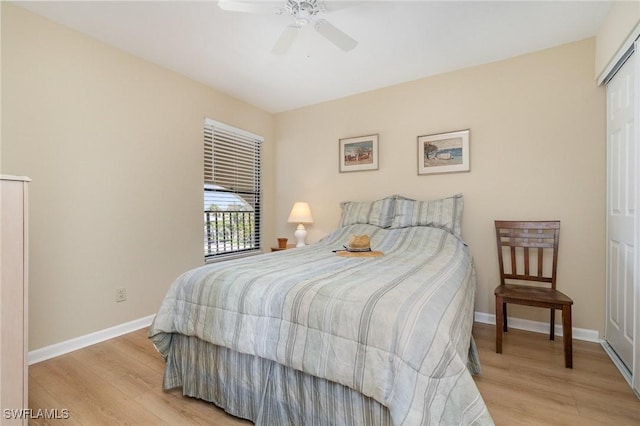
(359, 153)
(443, 153)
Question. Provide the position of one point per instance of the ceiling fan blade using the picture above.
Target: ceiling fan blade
(247, 7)
(335, 36)
(286, 39)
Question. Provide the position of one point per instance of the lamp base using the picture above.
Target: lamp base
(300, 235)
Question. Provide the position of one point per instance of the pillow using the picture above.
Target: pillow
(445, 213)
(377, 212)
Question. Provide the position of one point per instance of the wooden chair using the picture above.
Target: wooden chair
(530, 267)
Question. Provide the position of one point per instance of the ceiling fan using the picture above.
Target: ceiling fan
(303, 12)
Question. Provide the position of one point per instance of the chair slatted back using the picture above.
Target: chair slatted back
(531, 245)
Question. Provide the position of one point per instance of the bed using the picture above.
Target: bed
(308, 337)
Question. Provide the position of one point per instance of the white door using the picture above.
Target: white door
(622, 167)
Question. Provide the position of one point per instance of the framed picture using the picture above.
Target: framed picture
(358, 154)
(443, 153)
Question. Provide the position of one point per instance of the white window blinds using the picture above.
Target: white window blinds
(232, 190)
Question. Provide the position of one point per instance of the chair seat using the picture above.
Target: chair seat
(535, 295)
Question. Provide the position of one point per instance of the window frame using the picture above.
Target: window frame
(239, 166)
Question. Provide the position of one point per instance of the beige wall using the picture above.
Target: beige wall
(622, 21)
(114, 147)
(537, 152)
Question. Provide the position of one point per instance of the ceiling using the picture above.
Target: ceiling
(398, 41)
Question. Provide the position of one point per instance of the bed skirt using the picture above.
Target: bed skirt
(255, 388)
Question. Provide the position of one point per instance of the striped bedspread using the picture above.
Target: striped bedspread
(396, 328)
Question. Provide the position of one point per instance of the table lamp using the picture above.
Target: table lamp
(300, 214)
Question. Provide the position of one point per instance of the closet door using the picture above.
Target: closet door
(13, 300)
(622, 215)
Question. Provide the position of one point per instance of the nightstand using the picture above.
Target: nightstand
(289, 246)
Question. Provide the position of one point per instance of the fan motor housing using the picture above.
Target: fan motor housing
(303, 9)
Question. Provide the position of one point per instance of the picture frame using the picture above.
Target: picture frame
(444, 152)
(358, 153)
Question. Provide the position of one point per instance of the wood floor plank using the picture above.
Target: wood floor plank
(89, 398)
(40, 397)
(528, 385)
(127, 374)
(120, 382)
(176, 409)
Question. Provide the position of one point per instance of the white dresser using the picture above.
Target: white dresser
(14, 252)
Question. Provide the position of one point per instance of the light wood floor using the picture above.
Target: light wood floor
(120, 382)
(528, 385)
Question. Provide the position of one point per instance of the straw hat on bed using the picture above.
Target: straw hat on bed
(359, 246)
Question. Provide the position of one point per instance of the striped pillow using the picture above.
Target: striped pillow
(445, 213)
(377, 212)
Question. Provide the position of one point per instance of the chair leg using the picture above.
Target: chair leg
(504, 317)
(552, 331)
(568, 336)
(499, 322)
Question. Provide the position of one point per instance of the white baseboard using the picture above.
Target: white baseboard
(71, 345)
(540, 327)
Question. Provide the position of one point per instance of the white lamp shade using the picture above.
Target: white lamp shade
(300, 213)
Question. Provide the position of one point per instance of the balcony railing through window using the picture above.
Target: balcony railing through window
(229, 232)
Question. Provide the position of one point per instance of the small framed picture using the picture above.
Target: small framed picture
(443, 153)
(358, 154)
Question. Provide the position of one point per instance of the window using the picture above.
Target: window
(232, 190)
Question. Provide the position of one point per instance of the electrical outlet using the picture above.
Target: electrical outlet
(121, 294)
